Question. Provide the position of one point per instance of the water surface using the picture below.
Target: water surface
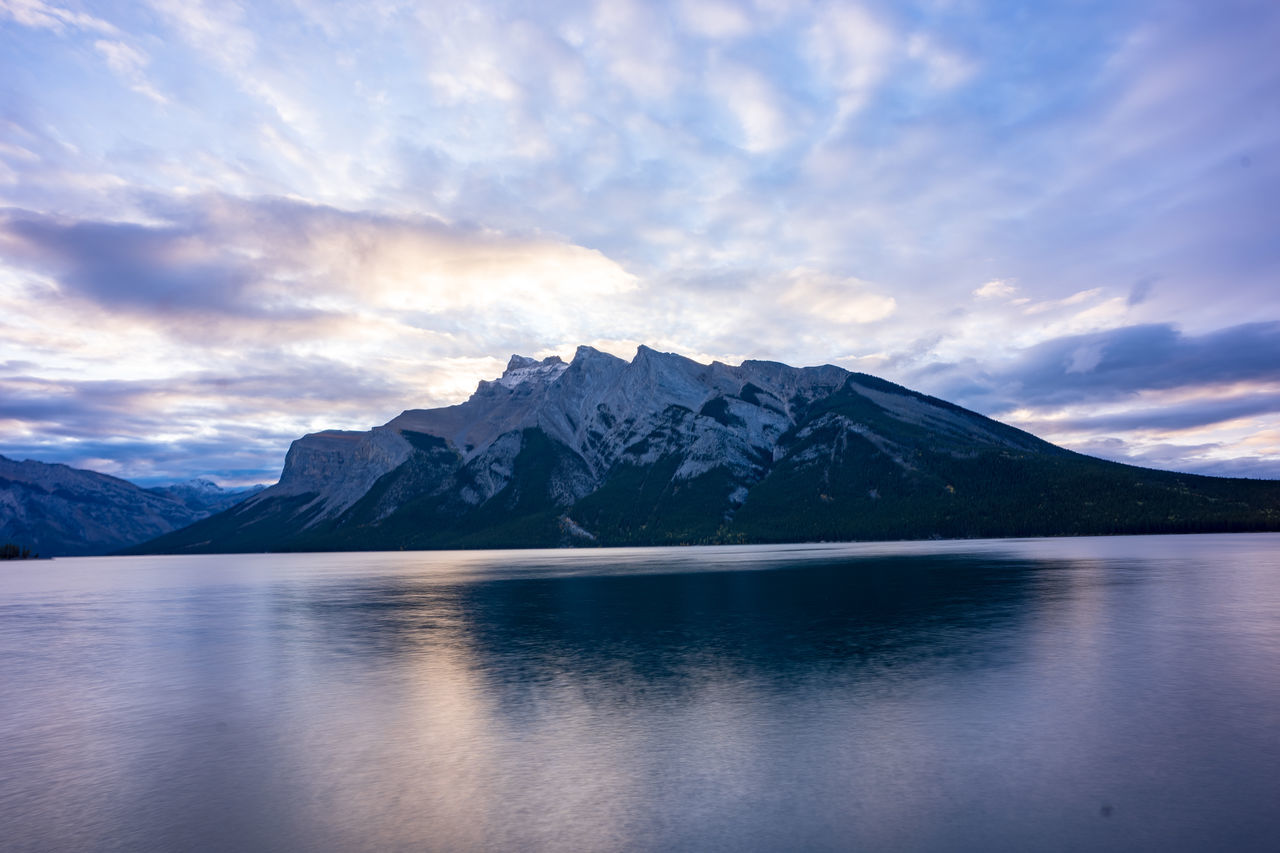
(1064, 694)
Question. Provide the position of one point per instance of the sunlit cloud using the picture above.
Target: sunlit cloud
(828, 299)
(995, 288)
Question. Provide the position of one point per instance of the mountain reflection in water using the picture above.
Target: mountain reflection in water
(1049, 694)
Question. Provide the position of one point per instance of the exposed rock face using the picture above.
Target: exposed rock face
(56, 510)
(606, 411)
(340, 466)
(666, 449)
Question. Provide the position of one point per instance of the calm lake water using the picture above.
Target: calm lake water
(1066, 694)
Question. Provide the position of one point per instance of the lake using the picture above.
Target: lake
(1114, 693)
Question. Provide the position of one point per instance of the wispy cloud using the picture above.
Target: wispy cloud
(35, 13)
(130, 63)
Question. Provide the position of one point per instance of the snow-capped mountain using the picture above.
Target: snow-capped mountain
(664, 449)
(203, 496)
(56, 510)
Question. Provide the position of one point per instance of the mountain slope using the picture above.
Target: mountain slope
(665, 450)
(56, 510)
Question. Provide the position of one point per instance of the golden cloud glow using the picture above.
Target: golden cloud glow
(836, 300)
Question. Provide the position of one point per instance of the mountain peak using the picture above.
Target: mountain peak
(646, 353)
(518, 361)
(199, 484)
(584, 352)
(522, 369)
(521, 361)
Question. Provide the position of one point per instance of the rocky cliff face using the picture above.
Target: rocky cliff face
(666, 449)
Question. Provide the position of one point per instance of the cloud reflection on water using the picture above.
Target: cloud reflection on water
(956, 695)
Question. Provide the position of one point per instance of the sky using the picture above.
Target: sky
(224, 225)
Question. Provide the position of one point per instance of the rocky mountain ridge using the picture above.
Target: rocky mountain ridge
(663, 449)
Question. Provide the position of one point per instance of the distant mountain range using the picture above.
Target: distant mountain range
(204, 496)
(666, 450)
(58, 511)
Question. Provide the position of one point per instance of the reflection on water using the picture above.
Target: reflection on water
(1044, 694)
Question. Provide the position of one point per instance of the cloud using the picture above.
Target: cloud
(714, 19)
(1191, 459)
(825, 299)
(236, 420)
(1158, 356)
(72, 405)
(1147, 394)
(756, 106)
(1113, 365)
(274, 259)
(997, 287)
(634, 42)
(231, 458)
(35, 13)
(1167, 417)
(129, 63)
(272, 314)
(219, 33)
(945, 69)
(1141, 290)
(161, 270)
(411, 189)
(851, 49)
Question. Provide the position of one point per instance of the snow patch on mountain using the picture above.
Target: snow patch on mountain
(203, 495)
(522, 369)
(603, 412)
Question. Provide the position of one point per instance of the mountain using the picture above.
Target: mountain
(666, 450)
(204, 496)
(58, 511)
